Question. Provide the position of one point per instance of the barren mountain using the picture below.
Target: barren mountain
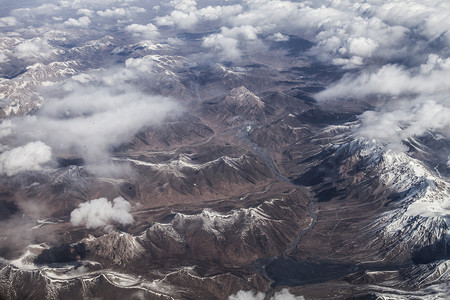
(194, 150)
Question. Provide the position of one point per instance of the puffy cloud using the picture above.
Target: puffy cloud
(77, 4)
(81, 22)
(291, 17)
(401, 120)
(38, 13)
(184, 5)
(148, 31)
(121, 12)
(328, 26)
(416, 100)
(429, 18)
(362, 46)
(212, 13)
(186, 14)
(142, 65)
(100, 212)
(354, 34)
(348, 63)
(8, 21)
(432, 77)
(345, 33)
(229, 42)
(34, 48)
(249, 295)
(85, 12)
(284, 294)
(181, 19)
(116, 13)
(279, 37)
(29, 157)
(226, 46)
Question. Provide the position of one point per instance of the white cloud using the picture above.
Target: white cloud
(142, 65)
(91, 121)
(100, 212)
(77, 4)
(146, 68)
(354, 34)
(226, 46)
(212, 13)
(362, 46)
(148, 31)
(184, 5)
(279, 37)
(399, 121)
(34, 48)
(82, 22)
(36, 13)
(28, 48)
(8, 21)
(94, 120)
(284, 294)
(186, 14)
(115, 12)
(429, 18)
(181, 19)
(121, 12)
(249, 295)
(416, 100)
(29, 157)
(230, 41)
(348, 63)
(432, 77)
(85, 12)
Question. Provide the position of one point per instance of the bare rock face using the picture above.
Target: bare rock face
(174, 133)
(242, 100)
(238, 107)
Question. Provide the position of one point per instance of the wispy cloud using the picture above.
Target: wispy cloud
(89, 121)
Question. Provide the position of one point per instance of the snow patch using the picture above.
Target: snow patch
(176, 166)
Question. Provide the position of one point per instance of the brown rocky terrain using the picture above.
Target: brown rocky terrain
(215, 176)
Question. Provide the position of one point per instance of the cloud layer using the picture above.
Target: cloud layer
(345, 33)
(100, 213)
